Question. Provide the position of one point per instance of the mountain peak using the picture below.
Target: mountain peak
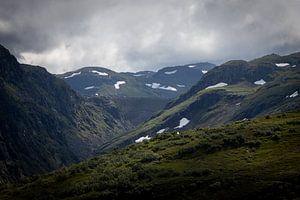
(6, 56)
(9, 68)
(235, 63)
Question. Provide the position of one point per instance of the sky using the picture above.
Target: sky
(135, 35)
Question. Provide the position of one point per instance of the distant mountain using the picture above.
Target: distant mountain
(44, 124)
(236, 90)
(168, 82)
(144, 93)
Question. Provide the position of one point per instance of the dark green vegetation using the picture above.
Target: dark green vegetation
(240, 99)
(256, 159)
(44, 124)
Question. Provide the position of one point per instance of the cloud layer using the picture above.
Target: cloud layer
(128, 35)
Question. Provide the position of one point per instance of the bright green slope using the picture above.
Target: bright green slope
(256, 159)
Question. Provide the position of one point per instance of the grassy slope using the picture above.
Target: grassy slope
(245, 160)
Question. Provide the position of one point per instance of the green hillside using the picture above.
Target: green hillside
(256, 159)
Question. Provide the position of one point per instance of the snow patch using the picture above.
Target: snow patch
(89, 87)
(138, 75)
(72, 75)
(217, 85)
(260, 82)
(168, 88)
(192, 66)
(204, 71)
(237, 104)
(171, 72)
(141, 139)
(161, 130)
(118, 83)
(153, 85)
(282, 64)
(183, 122)
(294, 66)
(100, 73)
(178, 85)
(158, 86)
(295, 94)
(96, 94)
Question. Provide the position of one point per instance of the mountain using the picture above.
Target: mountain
(168, 82)
(44, 124)
(138, 95)
(233, 91)
(238, 70)
(256, 159)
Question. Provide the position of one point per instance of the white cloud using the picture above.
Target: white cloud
(132, 35)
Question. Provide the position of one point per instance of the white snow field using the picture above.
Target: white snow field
(217, 85)
(72, 75)
(260, 82)
(141, 139)
(171, 72)
(118, 83)
(100, 73)
(282, 64)
(89, 87)
(183, 122)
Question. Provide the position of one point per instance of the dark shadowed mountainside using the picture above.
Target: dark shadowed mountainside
(44, 124)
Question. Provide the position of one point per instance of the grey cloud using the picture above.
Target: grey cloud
(146, 34)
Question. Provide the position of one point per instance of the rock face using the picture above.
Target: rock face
(44, 124)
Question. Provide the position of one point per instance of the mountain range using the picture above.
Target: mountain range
(235, 90)
(138, 95)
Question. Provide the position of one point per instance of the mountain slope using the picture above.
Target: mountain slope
(235, 71)
(46, 125)
(232, 91)
(244, 160)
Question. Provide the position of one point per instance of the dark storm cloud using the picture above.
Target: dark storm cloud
(144, 34)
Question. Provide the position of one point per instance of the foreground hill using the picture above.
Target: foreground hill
(138, 95)
(233, 91)
(256, 159)
(44, 124)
